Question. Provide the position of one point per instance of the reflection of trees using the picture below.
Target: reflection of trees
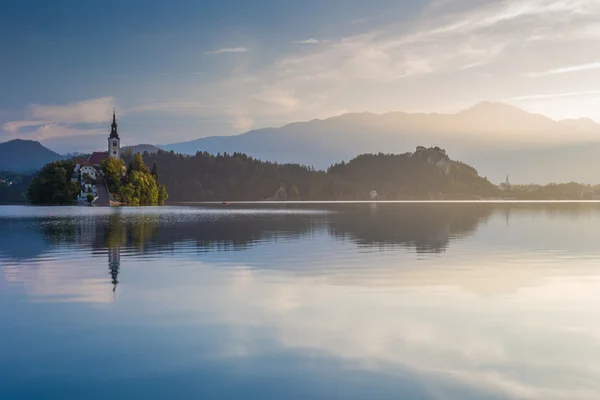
(426, 227)
(227, 232)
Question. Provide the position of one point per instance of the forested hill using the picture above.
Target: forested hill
(25, 156)
(425, 174)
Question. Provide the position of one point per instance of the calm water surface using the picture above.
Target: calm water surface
(355, 301)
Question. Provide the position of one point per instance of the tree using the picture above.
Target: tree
(90, 198)
(155, 171)
(53, 185)
(113, 171)
(138, 164)
(162, 195)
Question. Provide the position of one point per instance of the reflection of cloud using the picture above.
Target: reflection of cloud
(443, 335)
(48, 281)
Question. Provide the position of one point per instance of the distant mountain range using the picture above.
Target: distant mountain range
(25, 155)
(496, 138)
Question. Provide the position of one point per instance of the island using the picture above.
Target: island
(100, 179)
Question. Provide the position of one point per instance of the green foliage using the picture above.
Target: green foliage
(139, 187)
(162, 194)
(90, 198)
(14, 190)
(53, 185)
(154, 171)
(113, 171)
(137, 164)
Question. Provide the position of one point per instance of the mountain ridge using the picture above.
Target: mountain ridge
(487, 135)
(495, 137)
(21, 155)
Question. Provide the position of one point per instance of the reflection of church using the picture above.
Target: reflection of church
(114, 263)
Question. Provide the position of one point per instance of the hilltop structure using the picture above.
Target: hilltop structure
(87, 171)
(114, 142)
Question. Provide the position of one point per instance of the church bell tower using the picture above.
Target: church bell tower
(114, 142)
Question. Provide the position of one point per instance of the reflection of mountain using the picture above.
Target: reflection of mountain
(426, 227)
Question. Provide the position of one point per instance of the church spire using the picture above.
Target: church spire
(113, 127)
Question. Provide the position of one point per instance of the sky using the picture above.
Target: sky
(185, 69)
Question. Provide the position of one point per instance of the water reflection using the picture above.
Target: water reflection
(424, 228)
(362, 301)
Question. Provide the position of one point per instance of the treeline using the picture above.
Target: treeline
(231, 177)
(13, 187)
(553, 191)
(138, 186)
(53, 185)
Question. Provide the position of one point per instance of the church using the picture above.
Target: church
(87, 171)
(91, 166)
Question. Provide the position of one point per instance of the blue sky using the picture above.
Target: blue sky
(185, 69)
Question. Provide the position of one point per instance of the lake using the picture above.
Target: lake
(320, 301)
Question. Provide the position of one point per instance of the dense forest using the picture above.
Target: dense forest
(425, 174)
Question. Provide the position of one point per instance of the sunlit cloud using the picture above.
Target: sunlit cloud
(566, 70)
(87, 111)
(552, 95)
(51, 121)
(488, 48)
(226, 50)
(13, 127)
(309, 41)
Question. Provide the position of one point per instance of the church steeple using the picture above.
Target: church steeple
(114, 142)
(113, 128)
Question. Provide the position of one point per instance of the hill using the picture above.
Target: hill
(496, 137)
(424, 174)
(139, 148)
(25, 156)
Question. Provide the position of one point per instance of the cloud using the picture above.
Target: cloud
(552, 95)
(566, 70)
(307, 41)
(277, 96)
(242, 122)
(87, 111)
(226, 50)
(13, 127)
(62, 120)
(174, 107)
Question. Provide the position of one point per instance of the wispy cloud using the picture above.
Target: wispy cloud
(87, 111)
(13, 127)
(226, 50)
(566, 70)
(307, 41)
(552, 95)
(60, 120)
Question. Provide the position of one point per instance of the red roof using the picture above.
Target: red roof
(96, 158)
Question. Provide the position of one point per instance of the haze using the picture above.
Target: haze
(183, 70)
